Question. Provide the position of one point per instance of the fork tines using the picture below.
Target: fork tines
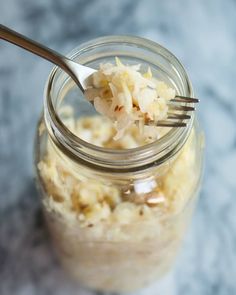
(184, 99)
(178, 116)
(181, 108)
(180, 98)
(166, 123)
(178, 107)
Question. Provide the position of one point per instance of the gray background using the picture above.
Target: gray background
(203, 35)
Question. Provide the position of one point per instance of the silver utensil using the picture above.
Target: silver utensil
(77, 72)
(80, 74)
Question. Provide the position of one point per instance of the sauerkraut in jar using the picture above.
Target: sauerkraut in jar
(117, 206)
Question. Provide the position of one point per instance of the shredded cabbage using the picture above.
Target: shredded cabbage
(126, 96)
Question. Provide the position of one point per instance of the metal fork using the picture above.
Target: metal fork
(172, 106)
(77, 72)
(80, 74)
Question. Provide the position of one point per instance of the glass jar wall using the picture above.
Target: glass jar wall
(117, 211)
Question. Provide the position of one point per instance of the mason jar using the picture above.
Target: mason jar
(117, 217)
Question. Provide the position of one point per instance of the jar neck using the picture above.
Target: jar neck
(111, 160)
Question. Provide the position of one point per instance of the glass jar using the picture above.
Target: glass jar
(116, 217)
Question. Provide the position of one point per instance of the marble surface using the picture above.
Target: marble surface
(203, 35)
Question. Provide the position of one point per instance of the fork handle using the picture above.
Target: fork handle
(38, 49)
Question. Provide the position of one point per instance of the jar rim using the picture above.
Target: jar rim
(103, 158)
